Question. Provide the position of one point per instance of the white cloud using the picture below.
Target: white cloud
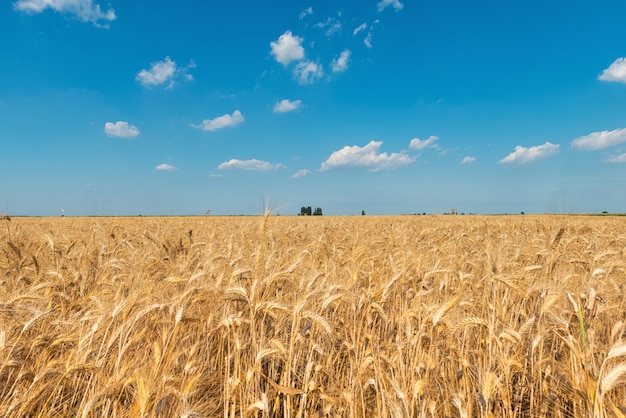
(331, 25)
(366, 157)
(468, 160)
(616, 159)
(159, 73)
(84, 10)
(335, 28)
(165, 167)
(599, 140)
(417, 144)
(383, 4)
(224, 121)
(368, 39)
(306, 12)
(340, 64)
(249, 165)
(300, 173)
(287, 48)
(359, 28)
(121, 129)
(165, 71)
(307, 72)
(615, 72)
(287, 105)
(523, 155)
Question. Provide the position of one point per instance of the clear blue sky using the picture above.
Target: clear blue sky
(395, 106)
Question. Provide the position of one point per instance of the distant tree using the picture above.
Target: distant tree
(308, 211)
(362, 213)
(318, 212)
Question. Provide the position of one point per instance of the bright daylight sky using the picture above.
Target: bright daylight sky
(111, 107)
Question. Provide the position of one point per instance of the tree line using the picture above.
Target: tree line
(308, 211)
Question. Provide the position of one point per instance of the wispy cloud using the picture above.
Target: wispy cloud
(523, 155)
(383, 4)
(368, 38)
(599, 140)
(359, 28)
(162, 72)
(306, 12)
(249, 165)
(121, 129)
(300, 173)
(224, 121)
(287, 105)
(468, 160)
(417, 144)
(307, 72)
(615, 72)
(340, 63)
(332, 26)
(84, 10)
(616, 159)
(367, 157)
(287, 48)
(165, 167)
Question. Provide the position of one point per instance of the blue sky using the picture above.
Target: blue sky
(393, 106)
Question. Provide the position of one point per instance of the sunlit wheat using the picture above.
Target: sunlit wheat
(468, 316)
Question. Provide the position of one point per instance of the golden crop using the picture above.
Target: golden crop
(413, 316)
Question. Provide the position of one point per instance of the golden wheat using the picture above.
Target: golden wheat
(307, 317)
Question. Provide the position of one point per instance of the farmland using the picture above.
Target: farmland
(395, 316)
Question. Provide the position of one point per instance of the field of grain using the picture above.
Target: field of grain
(413, 316)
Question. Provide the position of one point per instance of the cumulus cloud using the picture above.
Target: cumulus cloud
(523, 155)
(307, 72)
(165, 71)
(306, 12)
(287, 105)
(468, 160)
(84, 10)
(165, 167)
(249, 165)
(287, 48)
(366, 157)
(417, 144)
(300, 173)
(383, 4)
(224, 121)
(121, 129)
(340, 64)
(615, 72)
(599, 140)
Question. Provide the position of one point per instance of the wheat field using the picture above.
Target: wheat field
(405, 316)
